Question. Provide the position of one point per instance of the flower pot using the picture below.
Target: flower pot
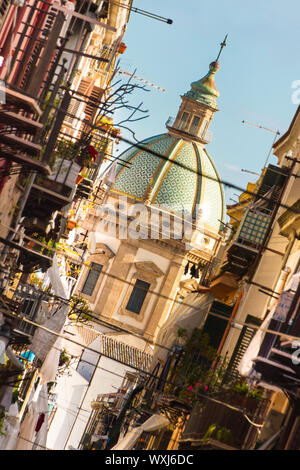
(71, 224)
(122, 48)
(79, 179)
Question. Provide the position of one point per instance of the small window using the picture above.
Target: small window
(204, 127)
(195, 125)
(92, 278)
(137, 296)
(184, 120)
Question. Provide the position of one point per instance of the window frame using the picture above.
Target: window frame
(184, 124)
(137, 289)
(90, 271)
(196, 128)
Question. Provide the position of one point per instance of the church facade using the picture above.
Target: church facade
(163, 211)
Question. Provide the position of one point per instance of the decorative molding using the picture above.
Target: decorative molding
(149, 269)
(102, 249)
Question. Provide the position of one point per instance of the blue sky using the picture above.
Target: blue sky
(258, 67)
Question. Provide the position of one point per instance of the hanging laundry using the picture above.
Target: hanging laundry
(40, 421)
(193, 271)
(186, 270)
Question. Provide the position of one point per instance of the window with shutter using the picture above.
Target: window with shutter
(137, 296)
(73, 109)
(242, 344)
(4, 5)
(92, 278)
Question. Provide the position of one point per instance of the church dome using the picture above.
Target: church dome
(147, 177)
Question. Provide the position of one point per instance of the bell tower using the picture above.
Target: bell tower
(198, 107)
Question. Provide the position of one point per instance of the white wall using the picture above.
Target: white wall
(70, 391)
(107, 378)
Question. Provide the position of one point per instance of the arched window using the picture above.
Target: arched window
(184, 120)
(195, 125)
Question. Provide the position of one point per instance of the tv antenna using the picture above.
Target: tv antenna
(268, 130)
(130, 74)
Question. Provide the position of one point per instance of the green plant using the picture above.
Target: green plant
(80, 310)
(64, 358)
(15, 395)
(209, 432)
(196, 358)
(2, 421)
(256, 393)
(182, 333)
(219, 433)
(50, 385)
(243, 389)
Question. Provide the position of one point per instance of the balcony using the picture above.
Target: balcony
(84, 189)
(252, 230)
(245, 245)
(19, 128)
(289, 221)
(29, 303)
(220, 423)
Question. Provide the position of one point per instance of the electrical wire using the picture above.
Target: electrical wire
(199, 173)
(185, 167)
(239, 323)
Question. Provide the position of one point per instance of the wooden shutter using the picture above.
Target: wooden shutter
(92, 278)
(137, 296)
(215, 326)
(4, 6)
(242, 344)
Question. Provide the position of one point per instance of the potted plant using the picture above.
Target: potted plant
(219, 433)
(64, 359)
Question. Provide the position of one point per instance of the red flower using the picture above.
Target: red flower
(93, 152)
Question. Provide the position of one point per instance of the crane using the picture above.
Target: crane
(276, 132)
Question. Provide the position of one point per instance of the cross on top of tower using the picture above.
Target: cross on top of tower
(223, 44)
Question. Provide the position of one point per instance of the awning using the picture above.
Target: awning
(154, 423)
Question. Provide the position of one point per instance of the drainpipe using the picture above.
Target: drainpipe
(280, 284)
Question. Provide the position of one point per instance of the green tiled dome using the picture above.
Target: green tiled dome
(170, 186)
